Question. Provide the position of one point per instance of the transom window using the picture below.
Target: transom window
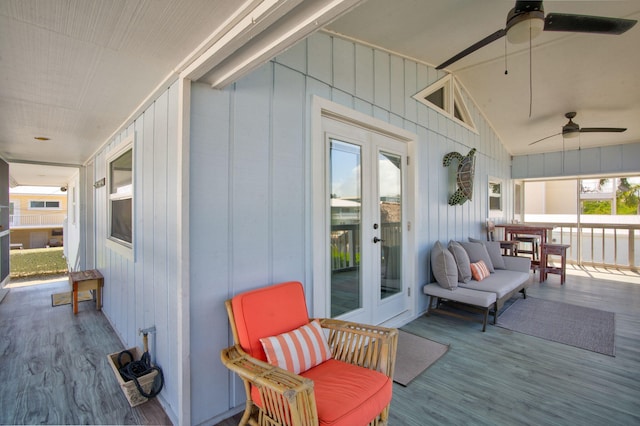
(445, 96)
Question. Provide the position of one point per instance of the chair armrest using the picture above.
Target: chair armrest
(368, 346)
(285, 397)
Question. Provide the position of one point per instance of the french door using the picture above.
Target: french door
(365, 177)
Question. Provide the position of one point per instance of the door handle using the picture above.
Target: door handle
(376, 240)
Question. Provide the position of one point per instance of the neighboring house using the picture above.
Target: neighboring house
(207, 193)
(36, 217)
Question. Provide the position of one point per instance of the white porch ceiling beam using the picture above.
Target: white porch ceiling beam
(220, 68)
(249, 20)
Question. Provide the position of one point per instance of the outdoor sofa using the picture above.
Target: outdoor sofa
(460, 278)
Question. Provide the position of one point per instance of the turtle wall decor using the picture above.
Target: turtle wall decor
(464, 175)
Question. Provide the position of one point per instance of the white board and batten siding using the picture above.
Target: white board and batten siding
(141, 291)
(251, 203)
(600, 161)
(251, 182)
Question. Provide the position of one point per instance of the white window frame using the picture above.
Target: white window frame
(495, 213)
(45, 204)
(123, 247)
(452, 99)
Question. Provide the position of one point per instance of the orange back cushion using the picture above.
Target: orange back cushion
(267, 312)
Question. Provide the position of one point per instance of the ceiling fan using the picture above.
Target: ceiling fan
(572, 129)
(526, 21)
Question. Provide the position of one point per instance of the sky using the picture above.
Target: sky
(345, 173)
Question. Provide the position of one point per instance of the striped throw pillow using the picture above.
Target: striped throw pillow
(479, 270)
(298, 350)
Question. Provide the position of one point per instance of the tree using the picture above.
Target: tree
(628, 197)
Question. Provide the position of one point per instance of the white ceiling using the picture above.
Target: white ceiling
(594, 75)
(73, 71)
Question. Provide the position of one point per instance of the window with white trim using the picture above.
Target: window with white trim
(42, 204)
(495, 197)
(445, 96)
(120, 194)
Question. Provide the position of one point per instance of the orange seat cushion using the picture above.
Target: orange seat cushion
(346, 395)
(267, 312)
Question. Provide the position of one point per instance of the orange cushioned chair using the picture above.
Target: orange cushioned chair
(350, 385)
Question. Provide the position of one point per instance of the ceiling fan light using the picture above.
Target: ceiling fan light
(525, 26)
(570, 134)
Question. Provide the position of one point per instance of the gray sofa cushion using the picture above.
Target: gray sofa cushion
(494, 250)
(462, 295)
(515, 263)
(462, 261)
(444, 267)
(501, 282)
(476, 252)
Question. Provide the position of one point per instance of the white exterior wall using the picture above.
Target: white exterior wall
(561, 197)
(143, 293)
(250, 195)
(73, 221)
(250, 190)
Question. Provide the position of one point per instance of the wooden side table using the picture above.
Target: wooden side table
(86, 280)
(558, 250)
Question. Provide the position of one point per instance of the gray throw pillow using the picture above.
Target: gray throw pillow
(476, 252)
(494, 250)
(444, 267)
(462, 261)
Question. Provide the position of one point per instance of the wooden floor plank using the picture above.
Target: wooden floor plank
(505, 377)
(502, 377)
(53, 364)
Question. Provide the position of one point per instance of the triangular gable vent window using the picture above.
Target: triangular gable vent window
(445, 96)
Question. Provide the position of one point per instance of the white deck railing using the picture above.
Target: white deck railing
(599, 244)
(30, 220)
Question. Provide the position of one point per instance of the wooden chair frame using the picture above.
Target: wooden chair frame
(288, 398)
(509, 247)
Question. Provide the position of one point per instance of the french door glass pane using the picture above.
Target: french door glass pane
(346, 221)
(390, 190)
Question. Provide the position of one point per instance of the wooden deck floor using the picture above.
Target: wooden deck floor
(507, 378)
(502, 377)
(53, 365)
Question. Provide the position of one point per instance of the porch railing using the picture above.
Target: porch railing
(601, 244)
(345, 243)
(36, 220)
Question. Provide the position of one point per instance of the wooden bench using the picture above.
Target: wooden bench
(86, 280)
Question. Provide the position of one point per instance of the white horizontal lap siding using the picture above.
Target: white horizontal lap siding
(250, 182)
(142, 292)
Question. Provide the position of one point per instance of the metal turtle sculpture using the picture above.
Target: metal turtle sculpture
(464, 176)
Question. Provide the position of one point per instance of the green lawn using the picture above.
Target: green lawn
(33, 262)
